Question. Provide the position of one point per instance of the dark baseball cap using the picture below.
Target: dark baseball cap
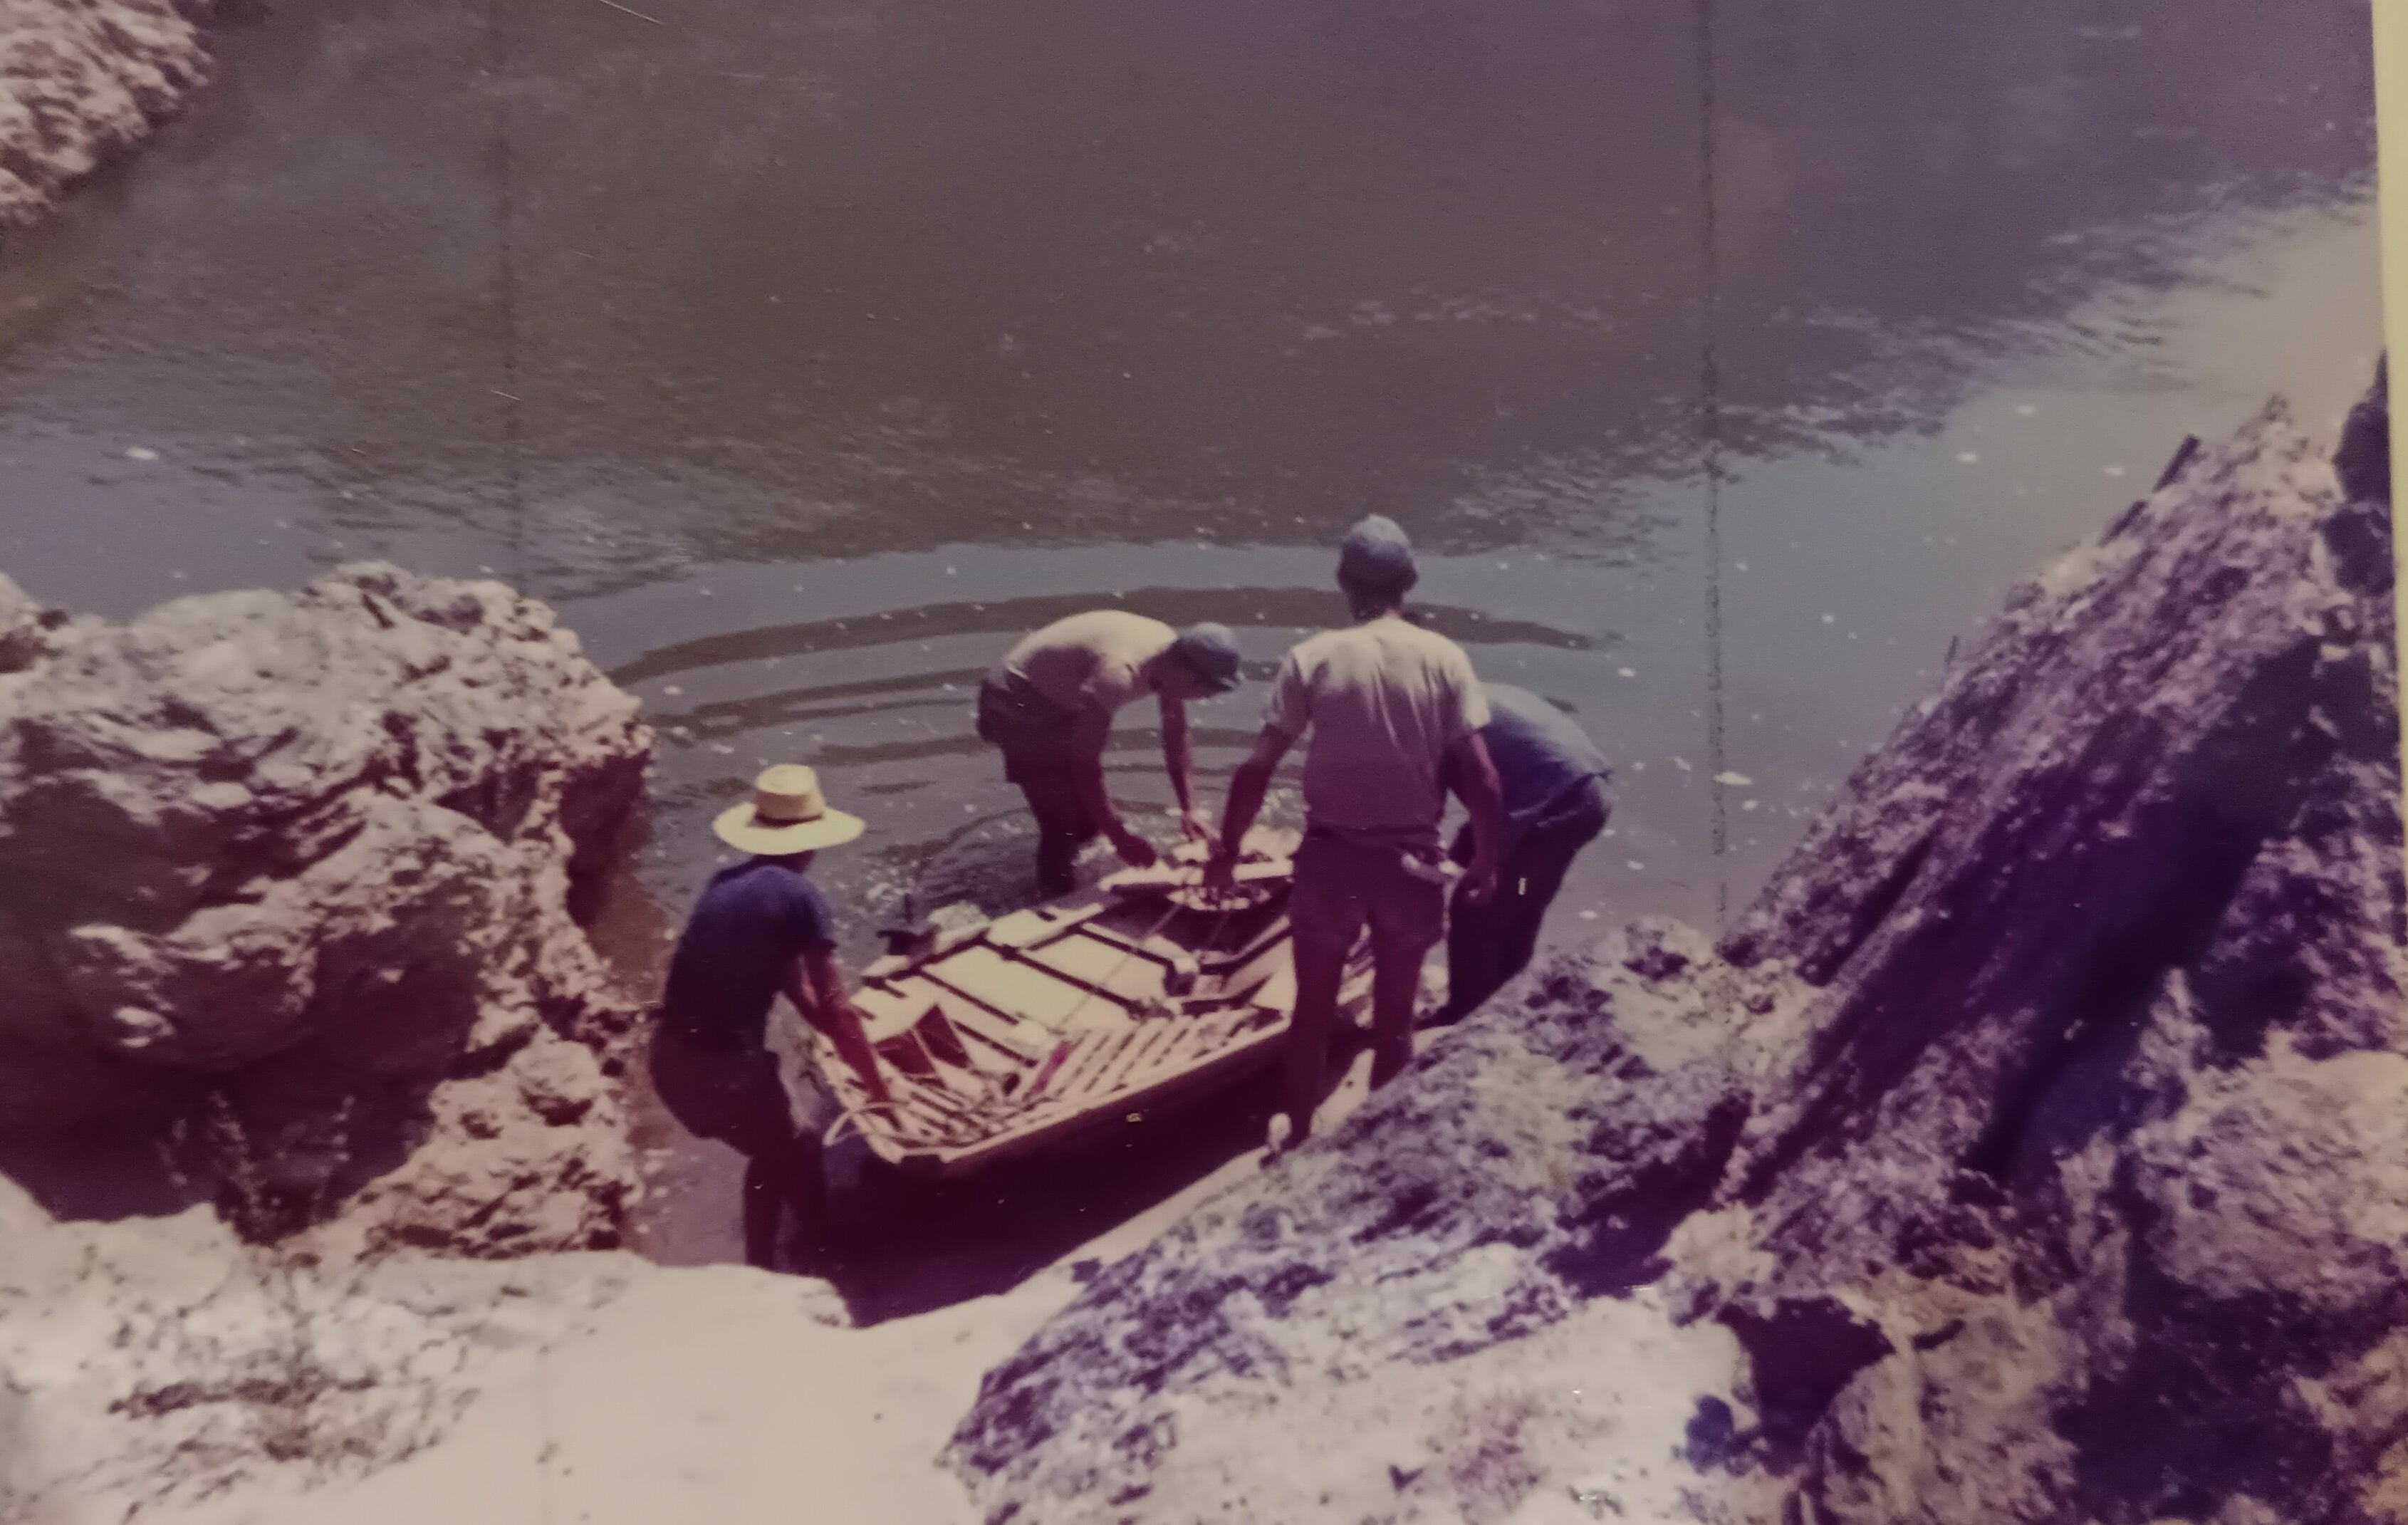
(1210, 653)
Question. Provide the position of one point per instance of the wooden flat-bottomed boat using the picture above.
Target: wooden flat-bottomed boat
(1039, 1026)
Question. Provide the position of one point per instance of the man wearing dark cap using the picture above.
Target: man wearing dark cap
(1049, 707)
(1553, 782)
(1395, 715)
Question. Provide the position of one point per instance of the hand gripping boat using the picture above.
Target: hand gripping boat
(1038, 1026)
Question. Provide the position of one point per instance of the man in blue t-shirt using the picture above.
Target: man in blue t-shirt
(1553, 779)
(761, 929)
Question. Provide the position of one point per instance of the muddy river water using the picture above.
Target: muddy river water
(1725, 361)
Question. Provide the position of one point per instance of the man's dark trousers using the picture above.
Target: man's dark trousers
(1488, 945)
(1036, 739)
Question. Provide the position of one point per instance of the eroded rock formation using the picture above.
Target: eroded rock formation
(2104, 1089)
(2039, 1138)
(81, 81)
(310, 856)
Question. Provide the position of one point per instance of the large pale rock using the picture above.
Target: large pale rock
(2099, 1106)
(29, 630)
(81, 81)
(313, 851)
(2040, 1139)
(161, 1362)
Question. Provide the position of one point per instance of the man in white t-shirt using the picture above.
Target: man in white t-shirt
(1394, 713)
(1050, 708)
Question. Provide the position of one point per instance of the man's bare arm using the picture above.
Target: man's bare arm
(1473, 777)
(1252, 782)
(1177, 759)
(1088, 735)
(818, 992)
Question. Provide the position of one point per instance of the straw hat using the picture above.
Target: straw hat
(787, 814)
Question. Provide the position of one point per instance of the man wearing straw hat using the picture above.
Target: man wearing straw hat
(1395, 715)
(761, 929)
(1049, 707)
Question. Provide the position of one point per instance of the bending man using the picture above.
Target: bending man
(1389, 706)
(1553, 780)
(761, 929)
(1050, 708)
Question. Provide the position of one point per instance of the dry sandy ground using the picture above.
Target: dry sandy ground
(726, 1394)
(713, 1393)
(717, 1394)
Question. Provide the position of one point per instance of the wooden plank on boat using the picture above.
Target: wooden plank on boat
(933, 1119)
(1075, 1051)
(1271, 937)
(1151, 1040)
(1187, 1053)
(1013, 988)
(1278, 990)
(1065, 1121)
(1238, 983)
(1170, 1084)
(1154, 948)
(1183, 1050)
(888, 1014)
(1095, 965)
(1041, 926)
(1163, 878)
(952, 1086)
(987, 1055)
(1087, 1061)
(1020, 1040)
(1222, 1027)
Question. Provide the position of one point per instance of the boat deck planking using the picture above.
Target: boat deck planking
(1045, 1024)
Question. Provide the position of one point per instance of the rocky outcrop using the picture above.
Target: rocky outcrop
(310, 855)
(83, 81)
(1538, 1159)
(2099, 1105)
(2036, 1139)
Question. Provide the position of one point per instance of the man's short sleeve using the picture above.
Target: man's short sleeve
(1289, 709)
(1467, 706)
(1472, 698)
(811, 925)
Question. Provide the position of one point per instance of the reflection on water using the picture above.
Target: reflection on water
(806, 351)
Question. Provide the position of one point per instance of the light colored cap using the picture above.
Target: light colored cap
(1376, 557)
(787, 814)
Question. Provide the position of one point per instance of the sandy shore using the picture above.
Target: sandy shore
(83, 81)
(680, 1392)
(714, 1392)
